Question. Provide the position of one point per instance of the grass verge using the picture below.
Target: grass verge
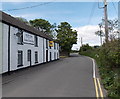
(110, 76)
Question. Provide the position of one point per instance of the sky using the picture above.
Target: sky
(82, 16)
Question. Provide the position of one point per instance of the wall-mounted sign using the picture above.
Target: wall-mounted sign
(51, 43)
(28, 38)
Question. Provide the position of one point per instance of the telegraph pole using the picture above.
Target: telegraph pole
(106, 21)
(100, 26)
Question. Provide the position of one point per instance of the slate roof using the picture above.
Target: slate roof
(8, 19)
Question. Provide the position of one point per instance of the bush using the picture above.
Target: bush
(108, 59)
(110, 54)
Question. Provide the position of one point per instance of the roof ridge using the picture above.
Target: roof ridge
(17, 23)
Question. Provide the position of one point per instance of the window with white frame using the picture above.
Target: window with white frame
(54, 45)
(54, 55)
(20, 58)
(20, 36)
(50, 56)
(57, 55)
(57, 46)
(29, 55)
(47, 44)
(36, 41)
(36, 57)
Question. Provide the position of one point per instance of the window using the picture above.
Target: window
(57, 46)
(36, 57)
(36, 41)
(50, 44)
(57, 55)
(54, 55)
(54, 45)
(47, 44)
(20, 58)
(20, 36)
(29, 55)
(50, 56)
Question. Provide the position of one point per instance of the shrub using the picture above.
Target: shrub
(108, 59)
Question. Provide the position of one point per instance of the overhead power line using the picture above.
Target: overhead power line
(23, 8)
(92, 12)
(100, 7)
(114, 7)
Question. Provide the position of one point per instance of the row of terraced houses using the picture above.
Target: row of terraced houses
(22, 45)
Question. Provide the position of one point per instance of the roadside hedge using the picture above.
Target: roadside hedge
(108, 59)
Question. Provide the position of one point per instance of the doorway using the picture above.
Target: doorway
(46, 55)
(50, 56)
(29, 57)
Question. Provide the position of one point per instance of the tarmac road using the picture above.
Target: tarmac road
(67, 77)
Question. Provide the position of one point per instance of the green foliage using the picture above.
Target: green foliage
(23, 20)
(111, 53)
(99, 33)
(108, 59)
(42, 25)
(110, 80)
(66, 36)
(112, 28)
(85, 47)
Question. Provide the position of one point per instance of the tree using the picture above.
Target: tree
(100, 33)
(66, 37)
(85, 47)
(23, 20)
(112, 28)
(42, 25)
(53, 30)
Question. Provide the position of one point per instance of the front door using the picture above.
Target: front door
(50, 56)
(46, 55)
(29, 57)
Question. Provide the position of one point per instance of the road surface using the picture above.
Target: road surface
(67, 77)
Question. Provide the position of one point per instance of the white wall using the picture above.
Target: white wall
(1, 55)
(14, 47)
(5, 47)
(58, 56)
(44, 52)
(48, 51)
(53, 51)
(25, 47)
(1, 47)
(41, 49)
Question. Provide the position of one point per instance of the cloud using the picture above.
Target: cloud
(29, 16)
(25, 15)
(87, 33)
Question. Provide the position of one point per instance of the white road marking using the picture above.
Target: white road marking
(94, 72)
(97, 82)
(101, 93)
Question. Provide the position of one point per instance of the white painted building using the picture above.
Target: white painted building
(23, 46)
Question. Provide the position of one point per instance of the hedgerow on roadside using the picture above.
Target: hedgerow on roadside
(108, 59)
